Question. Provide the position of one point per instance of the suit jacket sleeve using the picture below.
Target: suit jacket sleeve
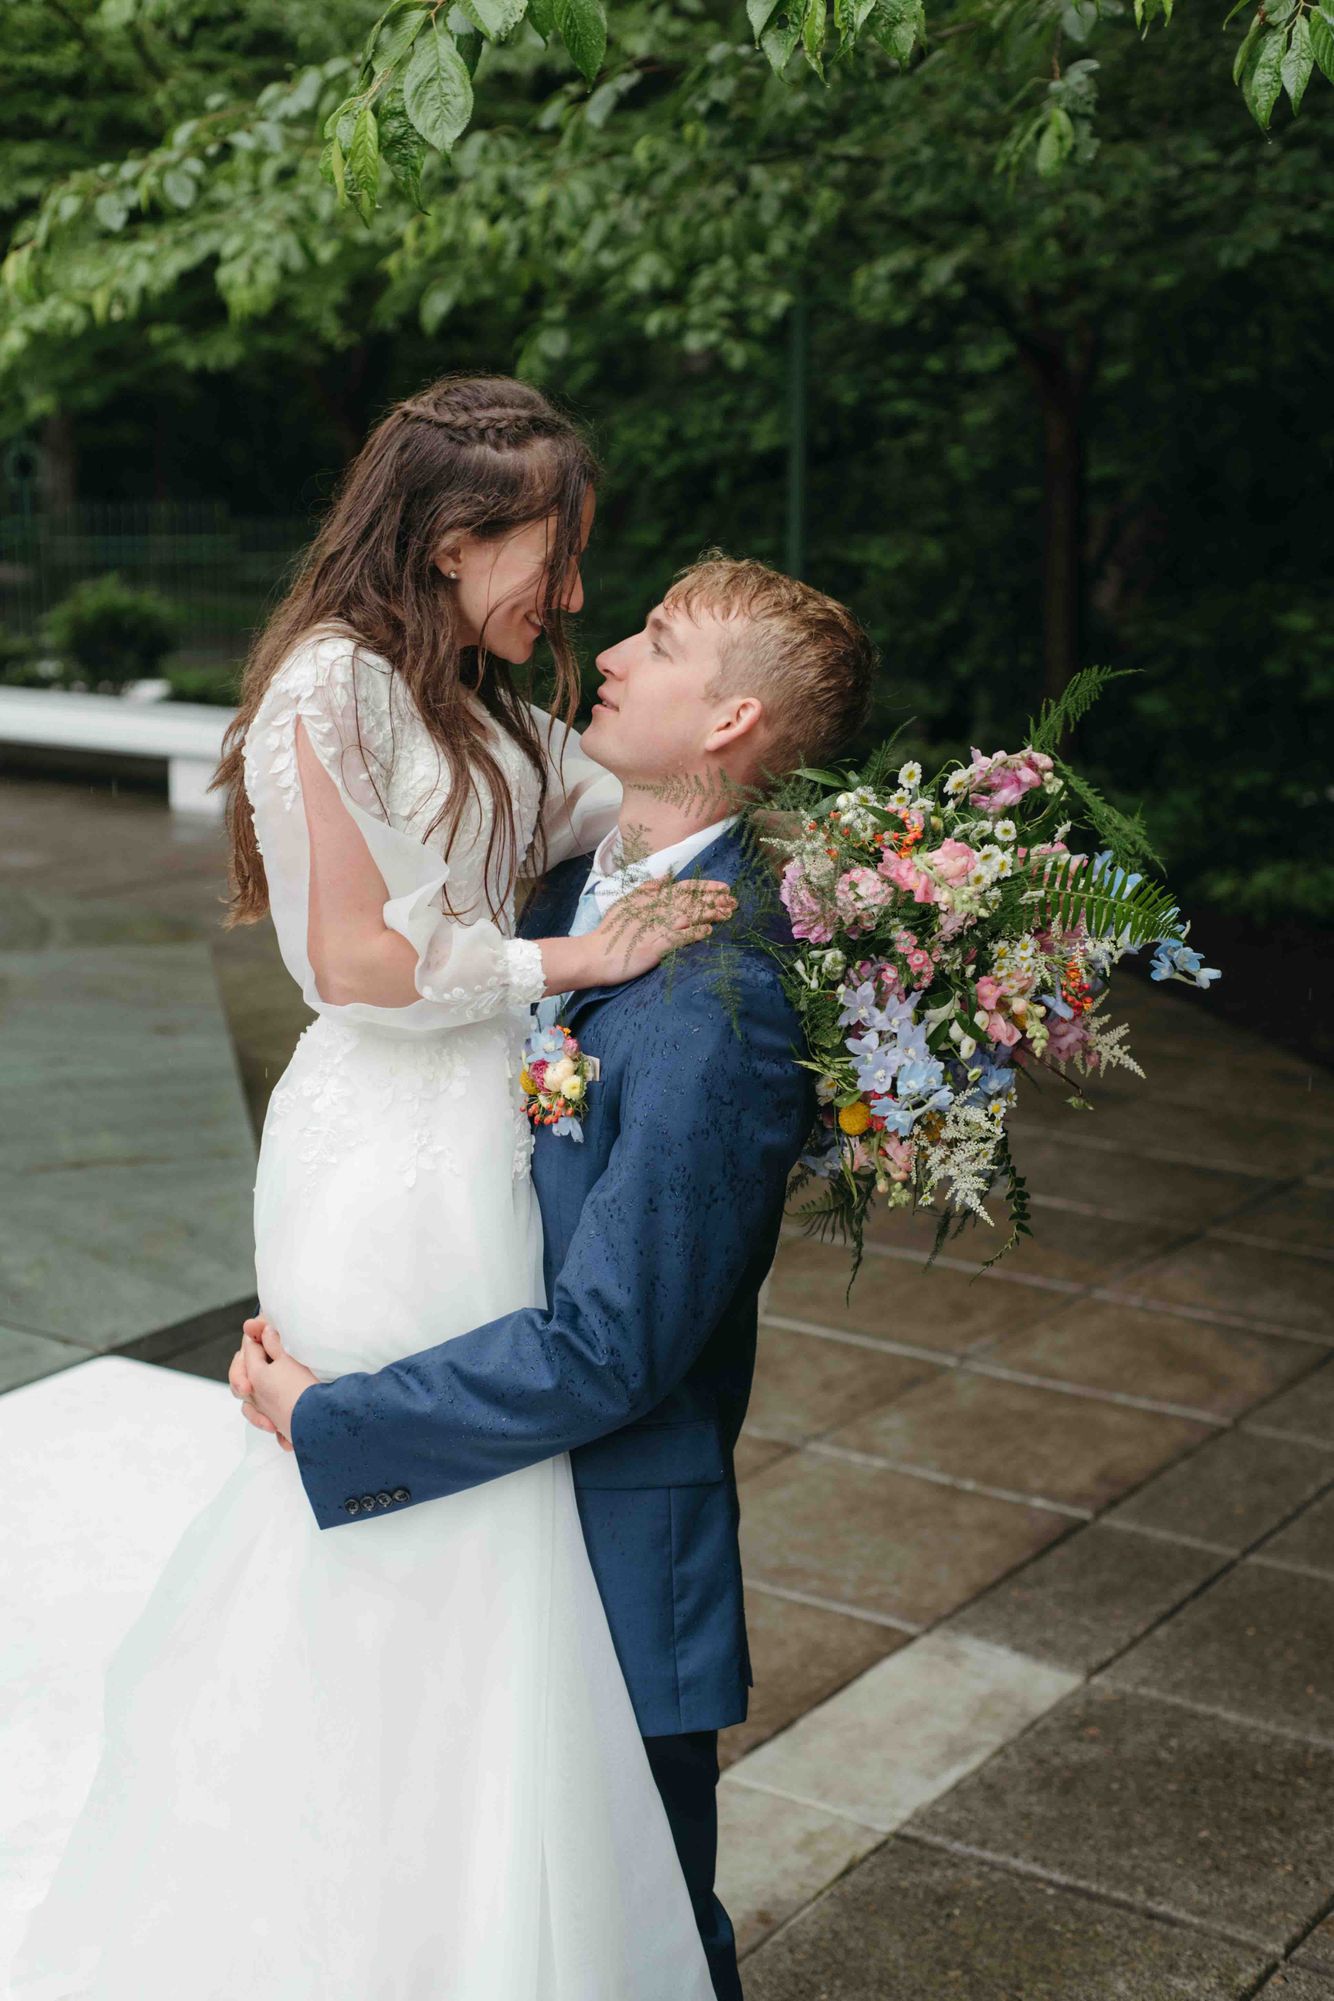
(711, 1122)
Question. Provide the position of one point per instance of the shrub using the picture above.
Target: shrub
(112, 632)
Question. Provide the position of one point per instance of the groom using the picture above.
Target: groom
(661, 1226)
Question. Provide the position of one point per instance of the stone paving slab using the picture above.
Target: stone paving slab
(915, 1924)
(1304, 1411)
(1302, 1217)
(906, 1730)
(1178, 1813)
(1068, 1245)
(1279, 1286)
(883, 1542)
(1198, 1365)
(1122, 1182)
(801, 1655)
(1080, 1603)
(1042, 1442)
(1316, 1950)
(1258, 1142)
(751, 1455)
(808, 1384)
(25, 1356)
(775, 1854)
(102, 1254)
(1258, 1644)
(896, 1299)
(1307, 1541)
(1234, 1490)
(1297, 1983)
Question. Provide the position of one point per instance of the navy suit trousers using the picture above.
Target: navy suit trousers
(686, 1771)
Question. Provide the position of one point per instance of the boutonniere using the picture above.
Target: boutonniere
(555, 1079)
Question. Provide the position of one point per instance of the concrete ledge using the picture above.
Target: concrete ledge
(186, 736)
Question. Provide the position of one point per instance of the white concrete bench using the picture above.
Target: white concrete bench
(186, 736)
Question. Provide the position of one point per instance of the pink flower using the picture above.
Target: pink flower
(861, 893)
(1066, 1040)
(900, 1154)
(905, 874)
(998, 782)
(999, 1027)
(803, 907)
(952, 861)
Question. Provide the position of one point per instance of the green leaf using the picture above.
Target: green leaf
(334, 169)
(111, 211)
(542, 18)
(468, 38)
(1058, 136)
(363, 162)
(898, 25)
(817, 777)
(1322, 40)
(850, 17)
(1263, 81)
(401, 144)
(1246, 52)
(1298, 63)
(495, 18)
(759, 13)
(437, 90)
(341, 121)
(392, 36)
(779, 42)
(583, 29)
(813, 33)
(179, 187)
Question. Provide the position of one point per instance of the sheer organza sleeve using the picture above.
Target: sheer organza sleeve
(583, 801)
(465, 971)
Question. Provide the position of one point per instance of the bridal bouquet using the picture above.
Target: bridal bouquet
(955, 946)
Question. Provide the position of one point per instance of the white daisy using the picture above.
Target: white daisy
(910, 774)
(1005, 830)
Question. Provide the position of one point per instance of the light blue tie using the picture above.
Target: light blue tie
(587, 917)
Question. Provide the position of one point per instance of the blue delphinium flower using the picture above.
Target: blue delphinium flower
(1174, 959)
(875, 1070)
(1055, 1005)
(918, 1077)
(861, 1009)
(546, 1044)
(568, 1129)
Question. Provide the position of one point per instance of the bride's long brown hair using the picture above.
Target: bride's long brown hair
(474, 454)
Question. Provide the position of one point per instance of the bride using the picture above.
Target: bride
(400, 1764)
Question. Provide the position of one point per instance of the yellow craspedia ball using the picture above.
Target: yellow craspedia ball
(855, 1119)
(526, 1084)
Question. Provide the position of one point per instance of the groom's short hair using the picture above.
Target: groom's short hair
(804, 654)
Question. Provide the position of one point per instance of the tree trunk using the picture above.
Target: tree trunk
(58, 477)
(1062, 367)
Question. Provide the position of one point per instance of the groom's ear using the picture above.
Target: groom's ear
(736, 722)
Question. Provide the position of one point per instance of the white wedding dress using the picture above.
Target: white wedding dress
(396, 1760)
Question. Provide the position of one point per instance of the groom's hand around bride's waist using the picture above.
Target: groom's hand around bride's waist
(267, 1380)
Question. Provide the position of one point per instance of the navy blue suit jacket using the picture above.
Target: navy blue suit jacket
(659, 1231)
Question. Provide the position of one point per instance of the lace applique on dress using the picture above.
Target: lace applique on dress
(400, 1088)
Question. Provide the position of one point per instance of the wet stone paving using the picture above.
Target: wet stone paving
(1040, 1561)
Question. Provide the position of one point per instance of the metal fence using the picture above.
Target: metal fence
(220, 570)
